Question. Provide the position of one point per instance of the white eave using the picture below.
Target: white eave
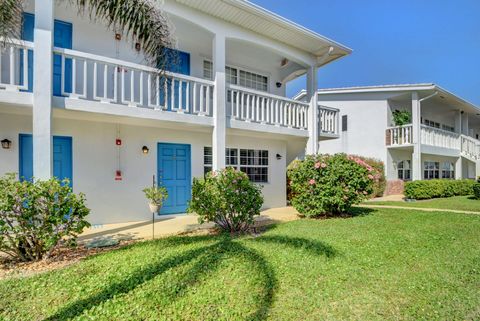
(259, 20)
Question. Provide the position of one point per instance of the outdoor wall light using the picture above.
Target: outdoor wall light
(279, 157)
(279, 85)
(394, 164)
(6, 144)
(145, 150)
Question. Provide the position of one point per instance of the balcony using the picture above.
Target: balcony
(435, 140)
(15, 61)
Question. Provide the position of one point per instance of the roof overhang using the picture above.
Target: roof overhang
(266, 23)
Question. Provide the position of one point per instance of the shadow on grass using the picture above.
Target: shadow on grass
(360, 211)
(207, 260)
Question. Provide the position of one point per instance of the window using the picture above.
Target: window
(255, 164)
(431, 170)
(231, 75)
(254, 81)
(431, 123)
(448, 170)
(344, 123)
(404, 171)
(207, 70)
(252, 162)
(448, 128)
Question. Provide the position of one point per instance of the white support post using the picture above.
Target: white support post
(416, 140)
(219, 103)
(313, 123)
(42, 90)
(465, 128)
(459, 168)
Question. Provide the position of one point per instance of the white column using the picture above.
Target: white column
(42, 90)
(313, 123)
(459, 168)
(465, 128)
(458, 121)
(219, 103)
(417, 141)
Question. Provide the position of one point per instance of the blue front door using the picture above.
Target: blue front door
(62, 38)
(174, 172)
(62, 157)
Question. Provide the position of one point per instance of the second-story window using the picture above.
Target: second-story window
(254, 81)
(207, 70)
(236, 76)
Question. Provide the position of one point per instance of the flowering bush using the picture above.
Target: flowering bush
(330, 184)
(228, 198)
(379, 184)
(35, 217)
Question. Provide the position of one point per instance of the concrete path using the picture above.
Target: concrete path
(396, 197)
(418, 209)
(171, 225)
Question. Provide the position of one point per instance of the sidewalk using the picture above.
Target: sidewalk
(425, 209)
(172, 225)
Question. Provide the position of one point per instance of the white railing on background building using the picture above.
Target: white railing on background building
(439, 138)
(400, 135)
(470, 147)
(328, 119)
(98, 78)
(14, 65)
(261, 107)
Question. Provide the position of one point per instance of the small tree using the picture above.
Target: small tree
(228, 198)
(36, 217)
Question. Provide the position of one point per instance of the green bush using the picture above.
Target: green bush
(379, 184)
(228, 198)
(476, 190)
(36, 217)
(329, 185)
(436, 188)
(401, 117)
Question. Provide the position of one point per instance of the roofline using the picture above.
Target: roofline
(267, 14)
(389, 88)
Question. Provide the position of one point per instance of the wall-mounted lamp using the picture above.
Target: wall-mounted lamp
(145, 150)
(394, 163)
(6, 144)
(118, 36)
(137, 46)
(279, 157)
(279, 85)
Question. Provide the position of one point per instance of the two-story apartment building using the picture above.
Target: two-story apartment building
(441, 140)
(77, 102)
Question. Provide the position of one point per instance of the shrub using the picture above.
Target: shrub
(379, 184)
(329, 185)
(401, 117)
(36, 217)
(476, 190)
(436, 188)
(228, 198)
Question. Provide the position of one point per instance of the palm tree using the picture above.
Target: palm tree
(140, 20)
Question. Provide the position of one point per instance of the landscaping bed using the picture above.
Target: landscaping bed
(382, 265)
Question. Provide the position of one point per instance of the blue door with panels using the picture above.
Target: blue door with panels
(62, 38)
(174, 172)
(62, 157)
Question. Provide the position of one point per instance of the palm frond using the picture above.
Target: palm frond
(11, 16)
(140, 20)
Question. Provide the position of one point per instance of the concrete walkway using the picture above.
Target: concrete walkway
(396, 197)
(171, 225)
(425, 209)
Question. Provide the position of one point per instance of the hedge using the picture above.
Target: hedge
(476, 190)
(436, 188)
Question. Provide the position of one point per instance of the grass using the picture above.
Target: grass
(384, 265)
(460, 203)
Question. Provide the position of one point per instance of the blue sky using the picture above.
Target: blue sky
(395, 41)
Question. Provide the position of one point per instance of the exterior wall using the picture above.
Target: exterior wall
(365, 135)
(95, 162)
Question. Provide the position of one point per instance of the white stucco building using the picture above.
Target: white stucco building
(78, 102)
(440, 142)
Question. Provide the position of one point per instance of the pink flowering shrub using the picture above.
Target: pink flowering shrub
(329, 184)
(377, 166)
(228, 198)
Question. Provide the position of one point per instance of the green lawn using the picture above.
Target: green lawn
(460, 203)
(384, 265)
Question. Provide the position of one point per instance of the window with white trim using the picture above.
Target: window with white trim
(431, 123)
(254, 81)
(448, 128)
(404, 171)
(448, 170)
(208, 70)
(250, 161)
(236, 76)
(431, 170)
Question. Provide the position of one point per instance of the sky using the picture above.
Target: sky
(394, 41)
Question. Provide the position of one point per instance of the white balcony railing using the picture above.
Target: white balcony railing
(328, 120)
(107, 80)
(400, 135)
(439, 138)
(470, 147)
(15, 60)
(261, 107)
